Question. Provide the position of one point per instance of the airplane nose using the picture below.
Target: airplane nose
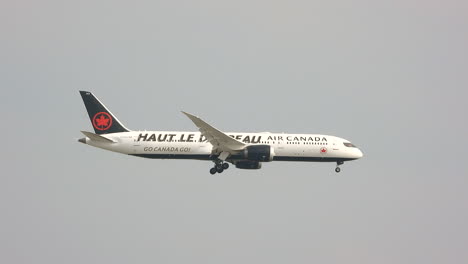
(359, 154)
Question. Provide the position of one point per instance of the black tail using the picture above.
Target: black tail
(102, 119)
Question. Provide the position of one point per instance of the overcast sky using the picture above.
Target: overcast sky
(390, 76)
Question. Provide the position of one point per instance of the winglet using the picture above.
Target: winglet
(195, 119)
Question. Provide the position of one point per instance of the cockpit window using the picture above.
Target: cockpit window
(349, 145)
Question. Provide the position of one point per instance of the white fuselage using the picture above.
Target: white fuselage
(192, 145)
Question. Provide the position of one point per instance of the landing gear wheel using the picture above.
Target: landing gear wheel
(337, 169)
(219, 167)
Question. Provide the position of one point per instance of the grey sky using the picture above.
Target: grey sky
(391, 76)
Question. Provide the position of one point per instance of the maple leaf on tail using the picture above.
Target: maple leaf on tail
(102, 121)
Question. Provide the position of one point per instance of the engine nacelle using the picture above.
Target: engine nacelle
(248, 165)
(259, 153)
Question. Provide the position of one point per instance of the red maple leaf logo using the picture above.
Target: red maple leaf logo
(323, 150)
(102, 121)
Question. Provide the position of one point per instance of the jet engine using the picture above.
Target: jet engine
(259, 153)
(248, 165)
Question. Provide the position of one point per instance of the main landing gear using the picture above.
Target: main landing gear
(338, 163)
(219, 167)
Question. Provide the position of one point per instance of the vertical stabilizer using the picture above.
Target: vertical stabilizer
(102, 120)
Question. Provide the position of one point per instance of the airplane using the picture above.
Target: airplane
(243, 150)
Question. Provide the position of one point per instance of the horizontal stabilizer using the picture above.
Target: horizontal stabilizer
(96, 137)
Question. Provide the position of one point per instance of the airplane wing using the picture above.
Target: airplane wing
(220, 141)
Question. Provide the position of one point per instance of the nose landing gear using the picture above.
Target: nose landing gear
(338, 163)
(219, 167)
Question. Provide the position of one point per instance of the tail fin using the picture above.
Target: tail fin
(102, 119)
